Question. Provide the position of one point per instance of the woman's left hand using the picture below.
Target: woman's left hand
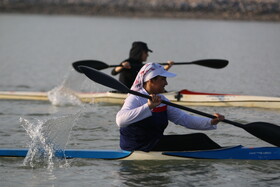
(218, 118)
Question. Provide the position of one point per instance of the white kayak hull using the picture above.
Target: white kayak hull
(186, 98)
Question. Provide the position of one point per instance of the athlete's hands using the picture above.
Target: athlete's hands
(126, 65)
(154, 101)
(218, 118)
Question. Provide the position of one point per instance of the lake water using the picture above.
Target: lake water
(36, 53)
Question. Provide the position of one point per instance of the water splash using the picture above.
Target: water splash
(73, 83)
(47, 138)
(61, 96)
(65, 94)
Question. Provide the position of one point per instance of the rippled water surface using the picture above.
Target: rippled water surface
(36, 53)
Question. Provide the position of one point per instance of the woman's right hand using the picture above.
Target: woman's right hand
(154, 101)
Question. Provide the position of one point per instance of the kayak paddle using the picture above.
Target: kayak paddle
(96, 64)
(266, 131)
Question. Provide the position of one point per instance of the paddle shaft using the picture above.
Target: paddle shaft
(96, 64)
(175, 63)
(210, 63)
(186, 108)
(265, 131)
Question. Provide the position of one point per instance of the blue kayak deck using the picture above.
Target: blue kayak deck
(235, 152)
(72, 153)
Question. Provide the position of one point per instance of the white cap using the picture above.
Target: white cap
(154, 70)
(149, 71)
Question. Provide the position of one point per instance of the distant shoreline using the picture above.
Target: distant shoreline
(93, 10)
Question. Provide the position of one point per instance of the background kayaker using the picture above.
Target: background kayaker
(142, 122)
(129, 68)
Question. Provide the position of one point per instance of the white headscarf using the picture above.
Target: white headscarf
(147, 72)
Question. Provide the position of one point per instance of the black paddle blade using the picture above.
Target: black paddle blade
(89, 63)
(212, 63)
(103, 79)
(265, 131)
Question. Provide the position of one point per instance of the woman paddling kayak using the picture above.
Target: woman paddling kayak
(129, 68)
(142, 122)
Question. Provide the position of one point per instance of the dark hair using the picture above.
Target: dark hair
(137, 49)
(155, 78)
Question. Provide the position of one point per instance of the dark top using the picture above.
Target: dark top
(127, 76)
(145, 134)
